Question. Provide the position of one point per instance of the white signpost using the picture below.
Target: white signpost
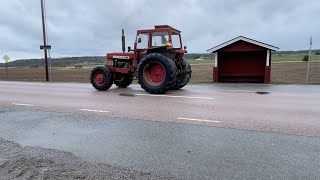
(309, 60)
(6, 58)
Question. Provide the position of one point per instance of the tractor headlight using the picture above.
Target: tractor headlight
(110, 62)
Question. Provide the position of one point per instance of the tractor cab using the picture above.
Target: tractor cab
(162, 35)
(161, 39)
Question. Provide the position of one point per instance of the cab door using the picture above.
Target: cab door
(142, 46)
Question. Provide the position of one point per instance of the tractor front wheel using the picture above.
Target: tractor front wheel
(101, 78)
(124, 82)
(156, 73)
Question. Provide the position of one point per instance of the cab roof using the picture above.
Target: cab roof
(161, 27)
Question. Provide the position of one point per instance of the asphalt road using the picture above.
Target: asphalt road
(287, 109)
(203, 132)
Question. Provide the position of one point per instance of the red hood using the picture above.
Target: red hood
(120, 56)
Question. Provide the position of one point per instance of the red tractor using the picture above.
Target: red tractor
(156, 60)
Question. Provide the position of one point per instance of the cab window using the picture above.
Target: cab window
(142, 41)
(160, 39)
(176, 41)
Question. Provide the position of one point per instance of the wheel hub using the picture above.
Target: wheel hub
(154, 73)
(99, 78)
(157, 73)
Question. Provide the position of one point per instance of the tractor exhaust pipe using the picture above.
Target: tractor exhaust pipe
(123, 39)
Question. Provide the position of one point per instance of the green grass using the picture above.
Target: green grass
(275, 58)
(293, 57)
(201, 62)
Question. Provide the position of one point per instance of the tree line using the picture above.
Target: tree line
(72, 61)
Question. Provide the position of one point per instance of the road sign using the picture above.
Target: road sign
(6, 58)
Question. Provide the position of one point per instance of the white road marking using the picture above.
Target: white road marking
(198, 120)
(163, 95)
(239, 91)
(20, 104)
(94, 110)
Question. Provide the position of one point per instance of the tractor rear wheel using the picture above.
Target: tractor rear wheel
(125, 82)
(101, 78)
(156, 73)
(184, 78)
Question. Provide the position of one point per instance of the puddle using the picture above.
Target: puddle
(262, 92)
(127, 94)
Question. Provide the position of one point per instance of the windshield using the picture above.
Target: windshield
(160, 38)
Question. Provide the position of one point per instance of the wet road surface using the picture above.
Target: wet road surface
(291, 109)
(176, 150)
(203, 132)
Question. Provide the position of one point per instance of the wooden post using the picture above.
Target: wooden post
(216, 59)
(7, 70)
(268, 58)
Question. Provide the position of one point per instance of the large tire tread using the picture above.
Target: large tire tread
(124, 83)
(183, 79)
(108, 75)
(170, 68)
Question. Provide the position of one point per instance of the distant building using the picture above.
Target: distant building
(200, 59)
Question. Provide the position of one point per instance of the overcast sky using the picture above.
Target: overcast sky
(93, 27)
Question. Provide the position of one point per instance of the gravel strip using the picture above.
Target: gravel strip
(17, 162)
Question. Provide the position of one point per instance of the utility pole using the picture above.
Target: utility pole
(44, 40)
(309, 60)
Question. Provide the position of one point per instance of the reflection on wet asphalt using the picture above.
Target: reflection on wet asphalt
(179, 150)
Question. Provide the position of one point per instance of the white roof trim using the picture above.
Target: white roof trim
(267, 46)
